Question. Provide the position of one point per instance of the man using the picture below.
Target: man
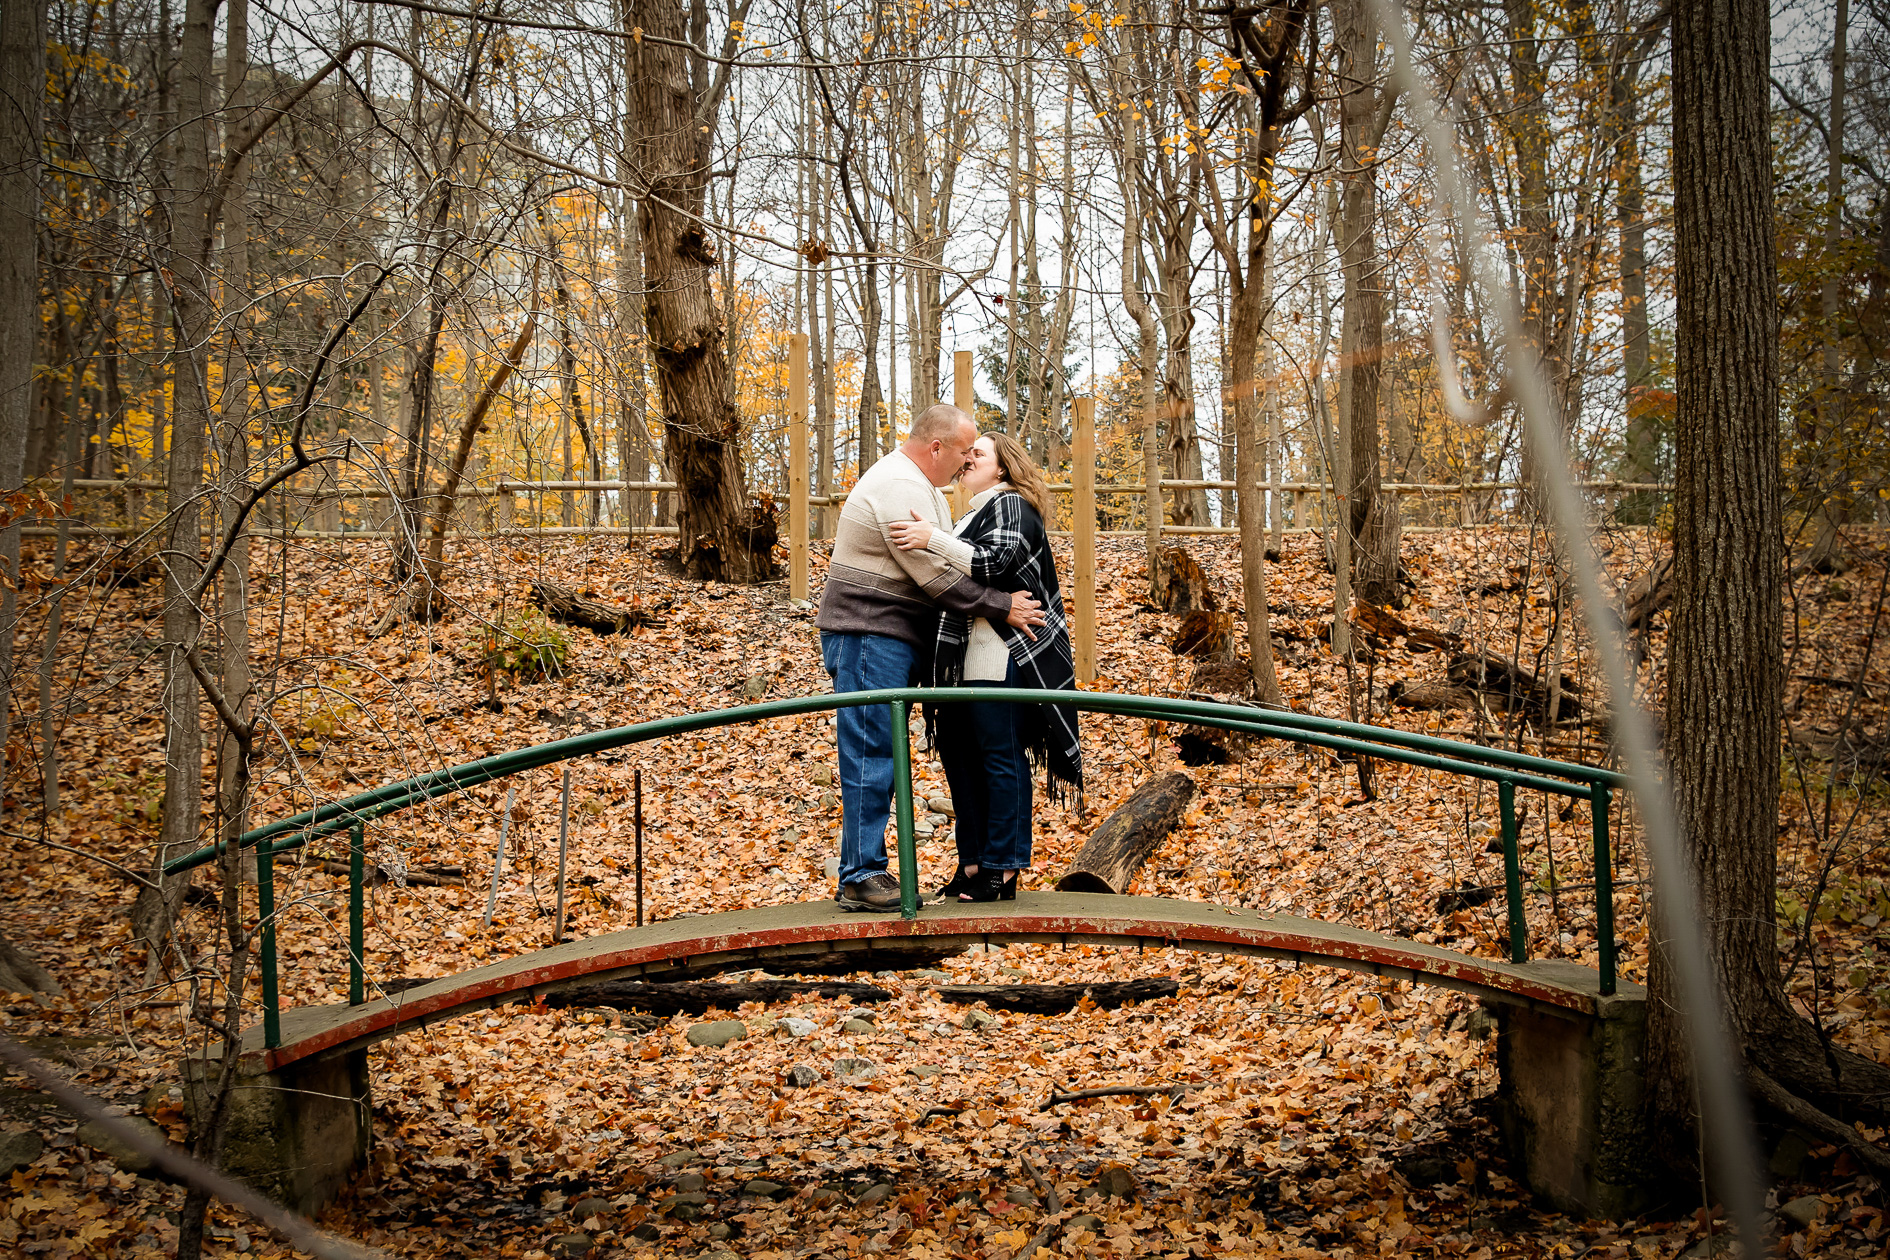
(878, 619)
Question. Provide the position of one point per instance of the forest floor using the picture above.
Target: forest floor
(1330, 1114)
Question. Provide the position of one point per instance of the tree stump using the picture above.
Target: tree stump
(1129, 836)
(1223, 683)
(1184, 584)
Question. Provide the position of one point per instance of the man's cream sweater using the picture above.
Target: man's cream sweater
(875, 588)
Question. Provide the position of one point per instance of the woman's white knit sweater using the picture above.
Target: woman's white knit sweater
(986, 657)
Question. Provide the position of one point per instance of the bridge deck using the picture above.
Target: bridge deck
(816, 929)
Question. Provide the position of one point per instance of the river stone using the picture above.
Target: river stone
(755, 687)
(720, 1255)
(856, 1069)
(826, 1196)
(931, 973)
(17, 1150)
(857, 1027)
(720, 1230)
(762, 1189)
(569, 1246)
(822, 775)
(923, 1070)
(717, 1032)
(873, 1194)
(646, 1232)
(1802, 1212)
(941, 805)
(794, 1026)
(1117, 1182)
(1020, 1196)
(98, 1137)
(1086, 1221)
(922, 827)
(687, 1206)
(585, 1209)
(679, 1159)
(978, 1021)
(692, 1183)
(800, 1076)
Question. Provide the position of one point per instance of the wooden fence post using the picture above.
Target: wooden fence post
(966, 401)
(1083, 530)
(797, 466)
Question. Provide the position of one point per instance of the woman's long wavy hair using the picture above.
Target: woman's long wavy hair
(1021, 472)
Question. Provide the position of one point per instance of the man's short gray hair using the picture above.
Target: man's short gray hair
(940, 422)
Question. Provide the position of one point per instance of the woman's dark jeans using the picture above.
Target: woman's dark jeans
(990, 781)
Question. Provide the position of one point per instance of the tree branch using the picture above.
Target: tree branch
(192, 1172)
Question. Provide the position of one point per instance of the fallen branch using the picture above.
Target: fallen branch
(933, 1112)
(1054, 999)
(693, 997)
(1174, 1092)
(1046, 1192)
(436, 877)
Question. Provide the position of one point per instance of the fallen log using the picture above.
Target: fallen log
(693, 997)
(561, 603)
(1510, 686)
(1117, 849)
(1055, 999)
(1430, 695)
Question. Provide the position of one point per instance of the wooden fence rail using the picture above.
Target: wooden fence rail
(1082, 489)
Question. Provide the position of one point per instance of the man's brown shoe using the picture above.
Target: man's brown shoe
(878, 891)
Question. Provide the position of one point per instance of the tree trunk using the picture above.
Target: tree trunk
(1127, 838)
(193, 316)
(22, 122)
(1728, 583)
(672, 122)
(233, 454)
(1372, 516)
(1642, 456)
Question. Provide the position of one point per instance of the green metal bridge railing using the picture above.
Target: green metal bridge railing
(1508, 770)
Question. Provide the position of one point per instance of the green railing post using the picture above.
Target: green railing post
(357, 914)
(902, 811)
(1512, 873)
(1604, 886)
(266, 913)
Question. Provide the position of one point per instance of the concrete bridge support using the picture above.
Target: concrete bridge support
(1571, 1104)
(295, 1134)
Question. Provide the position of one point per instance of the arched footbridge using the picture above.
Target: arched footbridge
(1569, 1050)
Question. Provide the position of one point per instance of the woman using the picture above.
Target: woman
(987, 748)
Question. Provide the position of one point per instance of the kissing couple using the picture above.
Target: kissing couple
(913, 599)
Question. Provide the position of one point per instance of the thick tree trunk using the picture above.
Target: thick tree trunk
(673, 121)
(1725, 650)
(22, 121)
(1373, 515)
(1127, 838)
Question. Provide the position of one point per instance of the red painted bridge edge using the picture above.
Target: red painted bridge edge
(339, 1027)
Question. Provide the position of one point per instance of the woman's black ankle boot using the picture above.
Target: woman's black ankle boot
(959, 884)
(991, 886)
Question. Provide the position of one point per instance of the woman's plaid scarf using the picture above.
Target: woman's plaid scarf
(1011, 551)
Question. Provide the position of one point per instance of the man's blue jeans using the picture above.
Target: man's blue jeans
(865, 662)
